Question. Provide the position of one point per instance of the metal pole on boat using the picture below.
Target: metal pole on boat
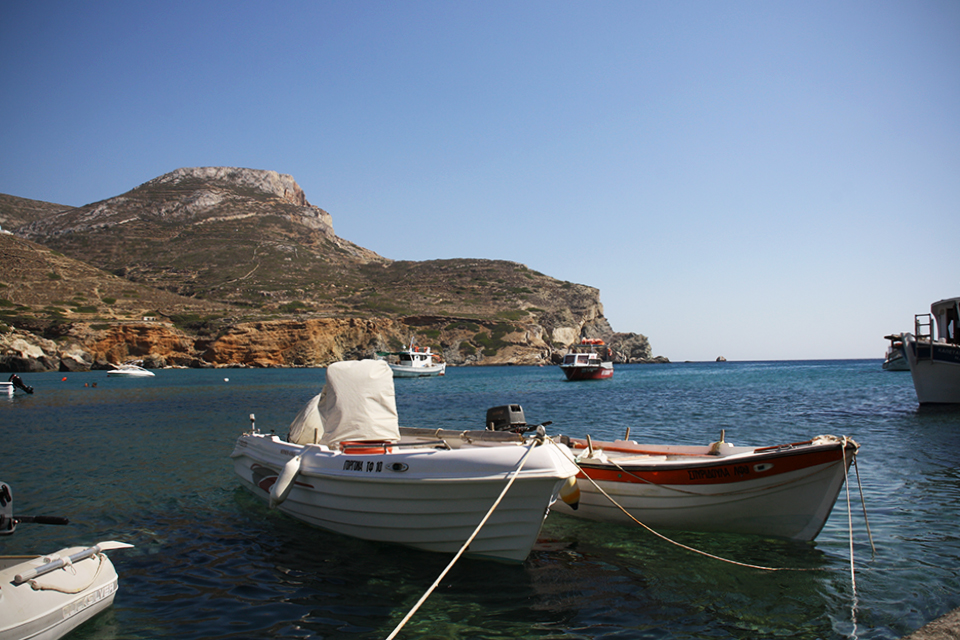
(20, 578)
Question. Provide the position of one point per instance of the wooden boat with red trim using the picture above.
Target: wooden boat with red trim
(589, 360)
(785, 491)
(347, 466)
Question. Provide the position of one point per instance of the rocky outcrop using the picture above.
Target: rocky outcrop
(195, 195)
(288, 343)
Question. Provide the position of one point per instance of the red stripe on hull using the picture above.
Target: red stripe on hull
(588, 373)
(700, 473)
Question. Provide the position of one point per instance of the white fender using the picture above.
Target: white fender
(281, 488)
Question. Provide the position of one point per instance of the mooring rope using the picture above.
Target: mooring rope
(688, 548)
(36, 585)
(853, 575)
(538, 440)
(863, 502)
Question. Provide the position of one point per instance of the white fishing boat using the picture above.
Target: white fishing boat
(14, 384)
(348, 467)
(130, 369)
(935, 362)
(47, 596)
(785, 491)
(413, 362)
(895, 359)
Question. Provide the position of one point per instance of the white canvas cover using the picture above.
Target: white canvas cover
(357, 403)
(307, 427)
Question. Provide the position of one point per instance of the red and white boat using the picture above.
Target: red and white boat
(589, 360)
(785, 491)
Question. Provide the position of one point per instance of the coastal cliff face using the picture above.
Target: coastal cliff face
(222, 266)
(286, 343)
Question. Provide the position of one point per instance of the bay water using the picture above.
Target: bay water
(146, 461)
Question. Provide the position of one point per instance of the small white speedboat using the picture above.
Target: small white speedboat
(348, 467)
(45, 597)
(12, 385)
(129, 370)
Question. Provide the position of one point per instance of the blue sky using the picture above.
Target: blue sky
(757, 180)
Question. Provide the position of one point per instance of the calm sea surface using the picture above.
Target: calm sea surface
(147, 462)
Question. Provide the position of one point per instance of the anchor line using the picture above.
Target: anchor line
(436, 583)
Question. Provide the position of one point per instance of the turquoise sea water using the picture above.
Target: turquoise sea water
(147, 462)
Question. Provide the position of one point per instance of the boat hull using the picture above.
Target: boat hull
(51, 613)
(115, 373)
(402, 371)
(785, 492)
(430, 499)
(936, 373)
(896, 362)
(581, 372)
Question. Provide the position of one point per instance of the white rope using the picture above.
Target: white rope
(40, 586)
(863, 502)
(683, 546)
(466, 544)
(853, 575)
(709, 555)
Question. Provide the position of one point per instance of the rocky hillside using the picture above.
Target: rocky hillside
(238, 256)
(16, 212)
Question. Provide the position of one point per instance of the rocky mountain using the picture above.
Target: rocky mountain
(242, 270)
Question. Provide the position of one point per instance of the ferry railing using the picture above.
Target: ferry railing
(923, 321)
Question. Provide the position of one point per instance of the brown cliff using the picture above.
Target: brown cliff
(234, 267)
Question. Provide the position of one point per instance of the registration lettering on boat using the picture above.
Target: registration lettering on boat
(719, 472)
(89, 600)
(369, 466)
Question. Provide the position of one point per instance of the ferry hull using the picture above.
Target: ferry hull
(935, 369)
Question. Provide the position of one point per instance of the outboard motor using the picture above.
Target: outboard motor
(506, 418)
(7, 525)
(17, 382)
(510, 418)
(9, 522)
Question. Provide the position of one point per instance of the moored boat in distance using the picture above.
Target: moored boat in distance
(413, 362)
(589, 360)
(785, 491)
(348, 467)
(13, 384)
(895, 359)
(131, 369)
(935, 363)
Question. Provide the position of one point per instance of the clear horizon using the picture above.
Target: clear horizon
(749, 180)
